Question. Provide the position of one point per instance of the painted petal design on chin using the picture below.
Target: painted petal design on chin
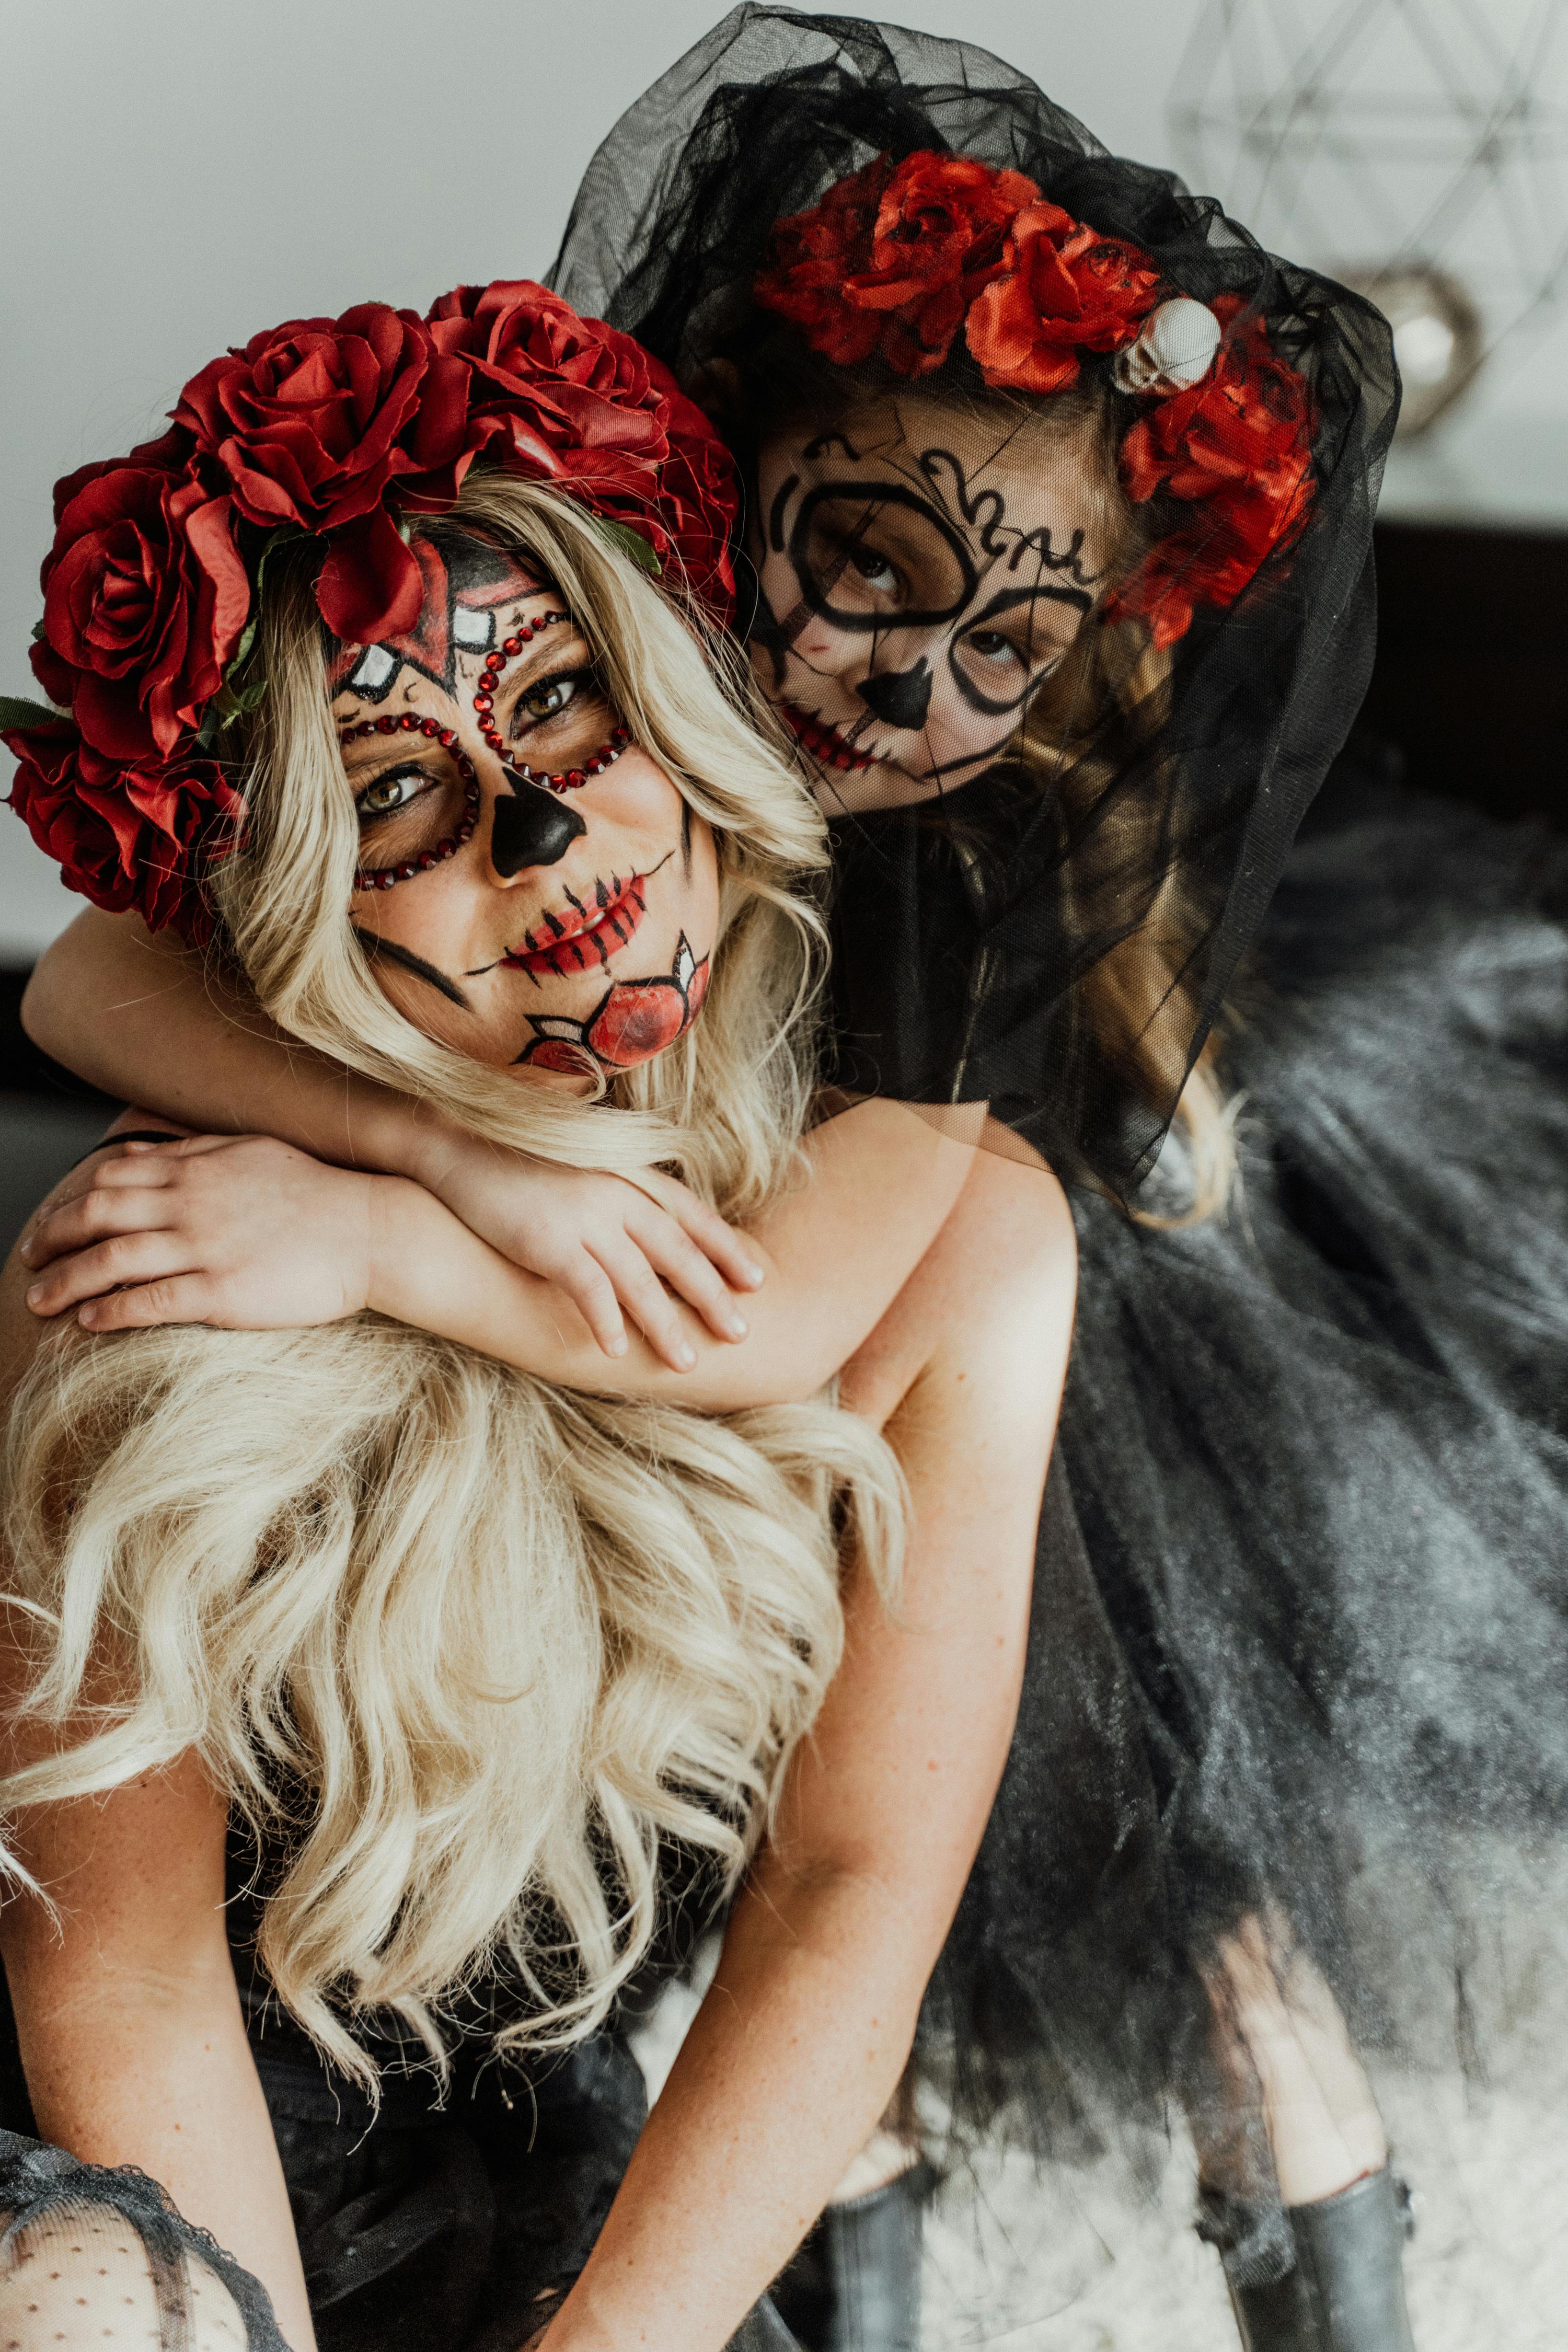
(638, 1020)
(557, 1053)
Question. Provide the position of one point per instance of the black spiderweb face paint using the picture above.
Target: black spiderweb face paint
(920, 576)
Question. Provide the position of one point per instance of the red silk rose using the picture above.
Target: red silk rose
(1065, 289)
(938, 243)
(144, 600)
(306, 421)
(125, 837)
(573, 401)
(812, 255)
(1238, 447)
(891, 259)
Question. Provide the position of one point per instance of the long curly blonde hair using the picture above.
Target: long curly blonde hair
(470, 1654)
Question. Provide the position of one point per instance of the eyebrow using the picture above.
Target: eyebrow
(407, 745)
(406, 960)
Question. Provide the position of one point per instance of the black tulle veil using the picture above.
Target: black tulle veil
(1064, 932)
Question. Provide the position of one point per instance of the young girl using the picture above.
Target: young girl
(477, 1653)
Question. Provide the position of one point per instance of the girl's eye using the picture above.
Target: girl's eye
(390, 793)
(992, 646)
(549, 697)
(874, 569)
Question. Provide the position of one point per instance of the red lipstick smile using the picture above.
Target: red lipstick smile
(576, 937)
(825, 743)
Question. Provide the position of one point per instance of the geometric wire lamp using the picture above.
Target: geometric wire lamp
(1414, 149)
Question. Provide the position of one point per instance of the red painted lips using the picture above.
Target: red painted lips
(580, 935)
(825, 743)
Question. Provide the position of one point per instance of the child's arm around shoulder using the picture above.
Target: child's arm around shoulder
(150, 1021)
(246, 1232)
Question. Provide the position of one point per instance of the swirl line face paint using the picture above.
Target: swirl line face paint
(923, 572)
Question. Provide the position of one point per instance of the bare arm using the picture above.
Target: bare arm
(799, 2044)
(127, 2014)
(252, 1233)
(150, 1023)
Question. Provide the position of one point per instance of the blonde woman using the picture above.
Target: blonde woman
(472, 1647)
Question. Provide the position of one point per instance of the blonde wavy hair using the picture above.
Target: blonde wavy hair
(477, 1656)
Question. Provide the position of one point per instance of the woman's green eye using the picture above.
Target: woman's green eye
(548, 699)
(390, 793)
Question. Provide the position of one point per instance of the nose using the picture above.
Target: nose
(531, 827)
(899, 697)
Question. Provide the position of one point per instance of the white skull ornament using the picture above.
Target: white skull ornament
(1175, 349)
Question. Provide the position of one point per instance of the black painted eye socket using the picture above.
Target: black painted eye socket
(866, 554)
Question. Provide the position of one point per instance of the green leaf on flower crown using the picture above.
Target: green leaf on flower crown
(39, 633)
(17, 711)
(630, 542)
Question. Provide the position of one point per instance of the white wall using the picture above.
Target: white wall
(175, 174)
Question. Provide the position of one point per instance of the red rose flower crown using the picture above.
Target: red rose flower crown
(897, 259)
(340, 428)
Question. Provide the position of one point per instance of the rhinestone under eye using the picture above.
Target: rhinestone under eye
(566, 779)
(382, 877)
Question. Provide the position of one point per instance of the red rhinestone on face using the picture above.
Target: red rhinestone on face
(512, 646)
(386, 726)
(428, 727)
(408, 721)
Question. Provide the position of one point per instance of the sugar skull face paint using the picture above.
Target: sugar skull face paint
(537, 893)
(923, 569)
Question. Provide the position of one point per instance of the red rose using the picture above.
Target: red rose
(306, 421)
(570, 401)
(811, 257)
(1237, 447)
(125, 837)
(938, 243)
(892, 258)
(144, 600)
(1065, 289)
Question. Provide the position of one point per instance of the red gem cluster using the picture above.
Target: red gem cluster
(382, 877)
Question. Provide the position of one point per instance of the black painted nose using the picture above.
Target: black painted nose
(899, 697)
(531, 827)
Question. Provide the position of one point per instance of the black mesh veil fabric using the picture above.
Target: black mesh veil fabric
(1300, 1621)
(1056, 936)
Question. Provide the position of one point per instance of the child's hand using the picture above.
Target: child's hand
(602, 1242)
(241, 1231)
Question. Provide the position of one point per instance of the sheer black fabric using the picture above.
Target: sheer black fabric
(1101, 883)
(443, 2221)
(1300, 1635)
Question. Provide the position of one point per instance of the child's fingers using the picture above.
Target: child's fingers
(591, 1291)
(647, 1301)
(176, 1299)
(125, 1257)
(694, 1278)
(92, 1217)
(731, 1252)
